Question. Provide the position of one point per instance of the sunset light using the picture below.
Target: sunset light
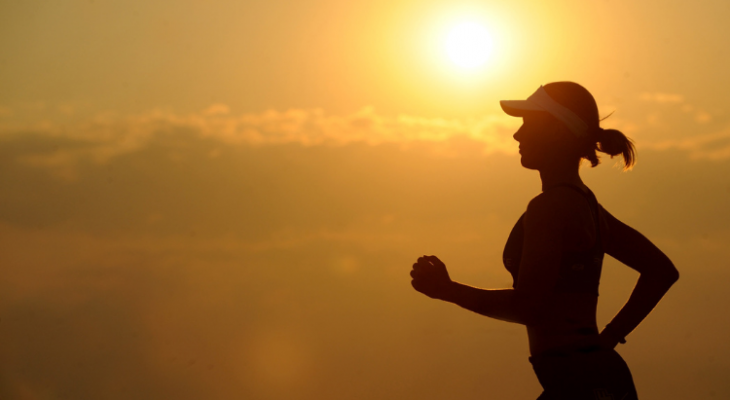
(268, 200)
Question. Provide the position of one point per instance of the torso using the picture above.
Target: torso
(570, 314)
(572, 308)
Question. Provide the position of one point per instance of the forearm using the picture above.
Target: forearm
(645, 296)
(502, 304)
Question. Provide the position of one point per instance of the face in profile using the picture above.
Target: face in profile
(544, 141)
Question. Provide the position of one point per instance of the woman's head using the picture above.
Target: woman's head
(561, 124)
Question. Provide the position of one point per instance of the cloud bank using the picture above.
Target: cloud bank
(106, 136)
(672, 124)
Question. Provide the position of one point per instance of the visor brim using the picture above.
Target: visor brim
(519, 108)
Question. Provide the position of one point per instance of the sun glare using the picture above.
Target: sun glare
(468, 45)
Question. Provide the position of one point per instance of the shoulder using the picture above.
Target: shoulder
(559, 211)
(557, 202)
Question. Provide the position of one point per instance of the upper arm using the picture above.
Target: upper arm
(636, 251)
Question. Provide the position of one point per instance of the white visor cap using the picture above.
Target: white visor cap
(541, 101)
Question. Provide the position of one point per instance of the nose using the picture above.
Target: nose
(518, 135)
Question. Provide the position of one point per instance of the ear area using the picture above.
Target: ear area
(556, 131)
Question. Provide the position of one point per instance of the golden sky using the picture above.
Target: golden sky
(223, 199)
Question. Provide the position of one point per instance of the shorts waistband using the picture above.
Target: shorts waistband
(565, 351)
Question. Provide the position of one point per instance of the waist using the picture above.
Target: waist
(565, 351)
(551, 341)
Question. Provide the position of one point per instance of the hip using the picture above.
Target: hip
(583, 373)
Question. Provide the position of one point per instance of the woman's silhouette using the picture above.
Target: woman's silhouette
(555, 253)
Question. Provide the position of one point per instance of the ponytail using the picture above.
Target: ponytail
(613, 143)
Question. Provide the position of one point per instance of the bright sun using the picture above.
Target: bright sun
(468, 45)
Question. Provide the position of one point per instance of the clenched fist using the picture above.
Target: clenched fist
(431, 278)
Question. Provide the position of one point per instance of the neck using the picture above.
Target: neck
(552, 177)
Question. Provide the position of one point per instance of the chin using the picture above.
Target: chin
(529, 163)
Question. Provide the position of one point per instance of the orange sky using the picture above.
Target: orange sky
(223, 199)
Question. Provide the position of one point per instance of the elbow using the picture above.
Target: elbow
(670, 273)
(674, 275)
(666, 275)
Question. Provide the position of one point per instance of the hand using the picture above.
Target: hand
(609, 337)
(431, 278)
(606, 341)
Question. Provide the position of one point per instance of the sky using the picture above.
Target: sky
(224, 199)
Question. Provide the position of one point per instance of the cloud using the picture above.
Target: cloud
(314, 127)
(309, 127)
(217, 109)
(713, 146)
(662, 98)
(106, 136)
(666, 121)
(673, 99)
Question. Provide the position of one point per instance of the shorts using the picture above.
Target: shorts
(586, 374)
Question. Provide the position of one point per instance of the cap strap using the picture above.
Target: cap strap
(575, 123)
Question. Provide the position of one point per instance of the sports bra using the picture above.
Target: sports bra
(580, 271)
